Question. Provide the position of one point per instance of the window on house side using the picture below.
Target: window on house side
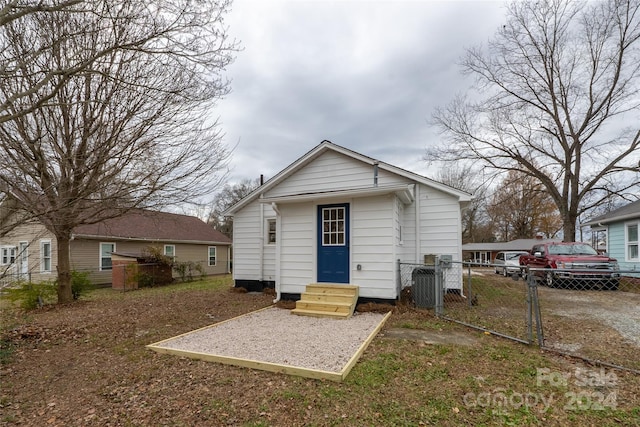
(632, 242)
(170, 251)
(212, 255)
(45, 256)
(105, 255)
(271, 238)
(8, 255)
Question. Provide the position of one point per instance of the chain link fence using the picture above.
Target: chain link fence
(584, 311)
(591, 313)
(470, 294)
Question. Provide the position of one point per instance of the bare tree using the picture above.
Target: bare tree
(12, 62)
(227, 197)
(16, 9)
(130, 129)
(558, 80)
(521, 208)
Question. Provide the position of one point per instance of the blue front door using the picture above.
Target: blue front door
(333, 243)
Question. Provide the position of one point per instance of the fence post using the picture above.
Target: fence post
(469, 296)
(535, 305)
(529, 313)
(439, 279)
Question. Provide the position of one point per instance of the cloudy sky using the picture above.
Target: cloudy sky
(366, 75)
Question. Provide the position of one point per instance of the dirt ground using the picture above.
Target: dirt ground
(598, 325)
(86, 364)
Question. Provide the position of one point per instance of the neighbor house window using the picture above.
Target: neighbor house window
(106, 249)
(45, 256)
(8, 255)
(170, 251)
(632, 242)
(212, 255)
(271, 238)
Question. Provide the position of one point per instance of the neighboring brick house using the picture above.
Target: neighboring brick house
(30, 250)
(485, 253)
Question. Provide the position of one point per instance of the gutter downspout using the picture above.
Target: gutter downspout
(375, 173)
(418, 208)
(274, 206)
(261, 277)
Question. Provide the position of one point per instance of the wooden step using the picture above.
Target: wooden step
(312, 296)
(332, 288)
(337, 307)
(315, 313)
(327, 300)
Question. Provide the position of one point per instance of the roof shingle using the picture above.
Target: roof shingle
(632, 209)
(153, 225)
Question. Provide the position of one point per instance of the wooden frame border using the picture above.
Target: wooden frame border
(268, 366)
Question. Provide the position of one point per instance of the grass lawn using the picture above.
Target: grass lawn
(86, 364)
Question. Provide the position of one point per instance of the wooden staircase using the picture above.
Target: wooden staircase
(327, 300)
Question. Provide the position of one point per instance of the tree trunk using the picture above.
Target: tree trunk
(569, 227)
(64, 271)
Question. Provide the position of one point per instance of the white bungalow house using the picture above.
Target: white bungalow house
(338, 216)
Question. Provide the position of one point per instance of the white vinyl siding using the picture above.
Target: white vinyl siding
(373, 246)
(439, 223)
(440, 228)
(333, 171)
(297, 247)
(246, 241)
(253, 258)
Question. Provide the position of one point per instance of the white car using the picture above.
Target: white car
(508, 262)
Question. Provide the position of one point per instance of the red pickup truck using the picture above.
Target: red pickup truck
(574, 264)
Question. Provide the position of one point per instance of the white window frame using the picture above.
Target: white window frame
(334, 230)
(101, 255)
(43, 258)
(271, 233)
(8, 255)
(173, 251)
(629, 243)
(215, 256)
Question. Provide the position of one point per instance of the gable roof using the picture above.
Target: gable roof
(325, 146)
(632, 210)
(140, 224)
